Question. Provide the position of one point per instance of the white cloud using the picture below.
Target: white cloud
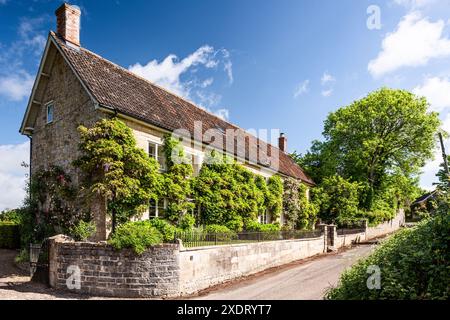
(327, 78)
(222, 113)
(302, 88)
(207, 82)
(414, 43)
(437, 92)
(168, 72)
(327, 93)
(12, 174)
(16, 86)
(430, 170)
(15, 81)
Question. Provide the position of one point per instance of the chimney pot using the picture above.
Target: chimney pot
(68, 23)
(282, 142)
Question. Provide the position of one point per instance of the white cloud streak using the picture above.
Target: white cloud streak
(437, 92)
(13, 175)
(302, 88)
(415, 42)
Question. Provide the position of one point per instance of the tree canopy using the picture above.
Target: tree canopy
(380, 142)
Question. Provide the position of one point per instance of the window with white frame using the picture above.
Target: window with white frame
(157, 208)
(156, 151)
(263, 218)
(50, 110)
(195, 162)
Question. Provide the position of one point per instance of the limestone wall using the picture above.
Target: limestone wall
(203, 267)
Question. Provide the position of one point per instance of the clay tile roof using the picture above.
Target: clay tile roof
(117, 88)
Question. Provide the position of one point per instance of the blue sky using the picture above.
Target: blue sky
(261, 64)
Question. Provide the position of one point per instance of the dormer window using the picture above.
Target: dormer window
(50, 110)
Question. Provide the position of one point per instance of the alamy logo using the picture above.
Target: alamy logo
(374, 280)
(73, 282)
(374, 19)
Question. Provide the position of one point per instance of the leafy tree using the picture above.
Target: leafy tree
(338, 199)
(444, 179)
(117, 169)
(380, 141)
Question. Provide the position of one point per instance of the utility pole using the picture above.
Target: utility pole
(444, 155)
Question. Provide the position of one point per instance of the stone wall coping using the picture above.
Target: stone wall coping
(234, 245)
(351, 234)
(104, 244)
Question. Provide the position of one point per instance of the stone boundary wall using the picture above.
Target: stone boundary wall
(203, 267)
(106, 272)
(386, 227)
(371, 232)
(169, 270)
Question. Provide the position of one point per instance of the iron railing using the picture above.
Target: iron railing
(200, 239)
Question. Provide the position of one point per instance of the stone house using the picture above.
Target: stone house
(75, 86)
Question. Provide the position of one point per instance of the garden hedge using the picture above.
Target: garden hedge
(9, 235)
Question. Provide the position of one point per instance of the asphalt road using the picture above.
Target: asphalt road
(307, 281)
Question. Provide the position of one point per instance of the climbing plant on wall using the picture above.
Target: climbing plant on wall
(177, 182)
(298, 210)
(229, 194)
(117, 169)
(50, 204)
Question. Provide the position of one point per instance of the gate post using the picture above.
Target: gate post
(332, 237)
(324, 229)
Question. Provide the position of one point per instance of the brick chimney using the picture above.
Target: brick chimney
(68, 23)
(282, 142)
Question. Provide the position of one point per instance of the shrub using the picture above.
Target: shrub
(138, 236)
(220, 233)
(186, 222)
(414, 264)
(236, 224)
(166, 229)
(23, 256)
(83, 230)
(259, 227)
(9, 235)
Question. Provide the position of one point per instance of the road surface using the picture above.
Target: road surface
(306, 281)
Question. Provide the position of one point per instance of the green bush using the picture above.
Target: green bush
(23, 256)
(414, 264)
(83, 230)
(11, 216)
(164, 227)
(220, 233)
(259, 227)
(9, 235)
(186, 222)
(138, 236)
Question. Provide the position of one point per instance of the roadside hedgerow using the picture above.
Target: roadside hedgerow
(414, 264)
(138, 236)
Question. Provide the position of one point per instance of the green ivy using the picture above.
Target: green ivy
(177, 182)
(117, 169)
(229, 194)
(299, 211)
